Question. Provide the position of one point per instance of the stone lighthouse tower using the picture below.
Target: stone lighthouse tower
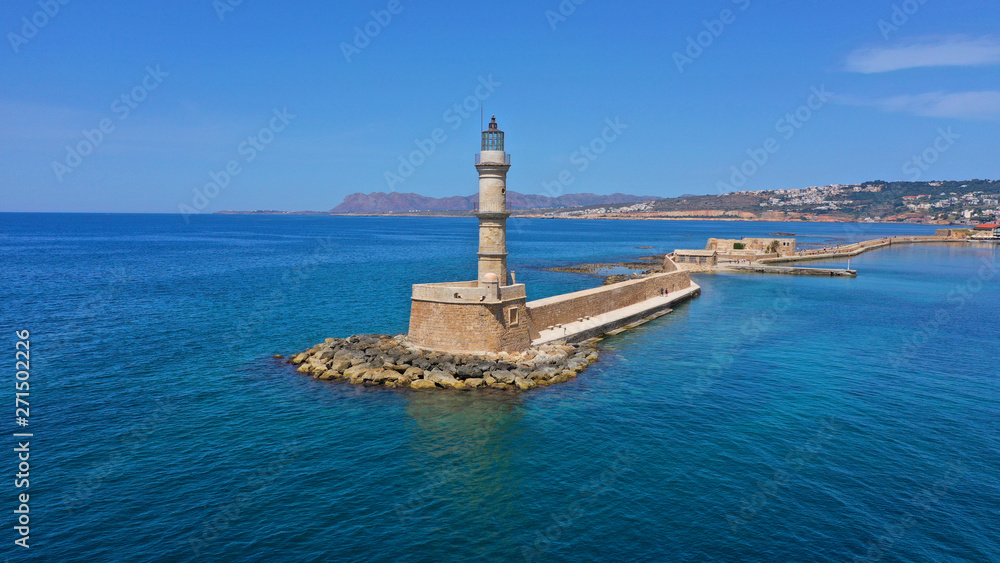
(493, 163)
(488, 314)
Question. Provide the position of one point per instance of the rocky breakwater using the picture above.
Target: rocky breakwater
(392, 361)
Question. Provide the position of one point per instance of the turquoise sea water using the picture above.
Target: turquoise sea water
(771, 419)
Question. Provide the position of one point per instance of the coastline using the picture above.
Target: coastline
(632, 217)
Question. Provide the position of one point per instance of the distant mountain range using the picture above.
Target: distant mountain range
(396, 202)
(938, 202)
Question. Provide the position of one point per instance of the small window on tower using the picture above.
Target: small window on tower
(512, 319)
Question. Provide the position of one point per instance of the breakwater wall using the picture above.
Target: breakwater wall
(848, 250)
(578, 306)
(564, 331)
(395, 362)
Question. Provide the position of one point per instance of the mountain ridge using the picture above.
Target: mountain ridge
(401, 202)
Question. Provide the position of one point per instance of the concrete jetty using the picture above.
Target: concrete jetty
(789, 270)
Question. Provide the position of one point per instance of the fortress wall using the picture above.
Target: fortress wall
(469, 327)
(953, 233)
(571, 307)
(786, 246)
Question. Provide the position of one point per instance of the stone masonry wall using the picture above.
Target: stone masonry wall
(469, 327)
(568, 308)
(786, 246)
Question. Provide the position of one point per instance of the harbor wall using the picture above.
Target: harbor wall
(572, 307)
(854, 249)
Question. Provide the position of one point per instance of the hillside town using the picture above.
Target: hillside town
(939, 203)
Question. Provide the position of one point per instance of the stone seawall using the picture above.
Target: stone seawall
(619, 319)
(465, 327)
(575, 307)
(848, 250)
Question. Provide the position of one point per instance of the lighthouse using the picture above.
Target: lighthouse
(492, 163)
(489, 313)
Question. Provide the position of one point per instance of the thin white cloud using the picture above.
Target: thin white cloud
(949, 51)
(975, 106)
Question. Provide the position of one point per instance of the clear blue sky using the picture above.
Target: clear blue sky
(220, 80)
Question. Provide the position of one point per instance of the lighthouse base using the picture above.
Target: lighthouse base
(468, 317)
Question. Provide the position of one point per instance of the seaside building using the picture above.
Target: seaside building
(954, 233)
(696, 258)
(989, 231)
(751, 249)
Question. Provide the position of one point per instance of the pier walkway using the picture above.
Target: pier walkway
(787, 270)
(626, 317)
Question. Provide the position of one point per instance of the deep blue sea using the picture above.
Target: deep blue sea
(773, 418)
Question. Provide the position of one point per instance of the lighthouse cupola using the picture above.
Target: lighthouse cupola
(493, 137)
